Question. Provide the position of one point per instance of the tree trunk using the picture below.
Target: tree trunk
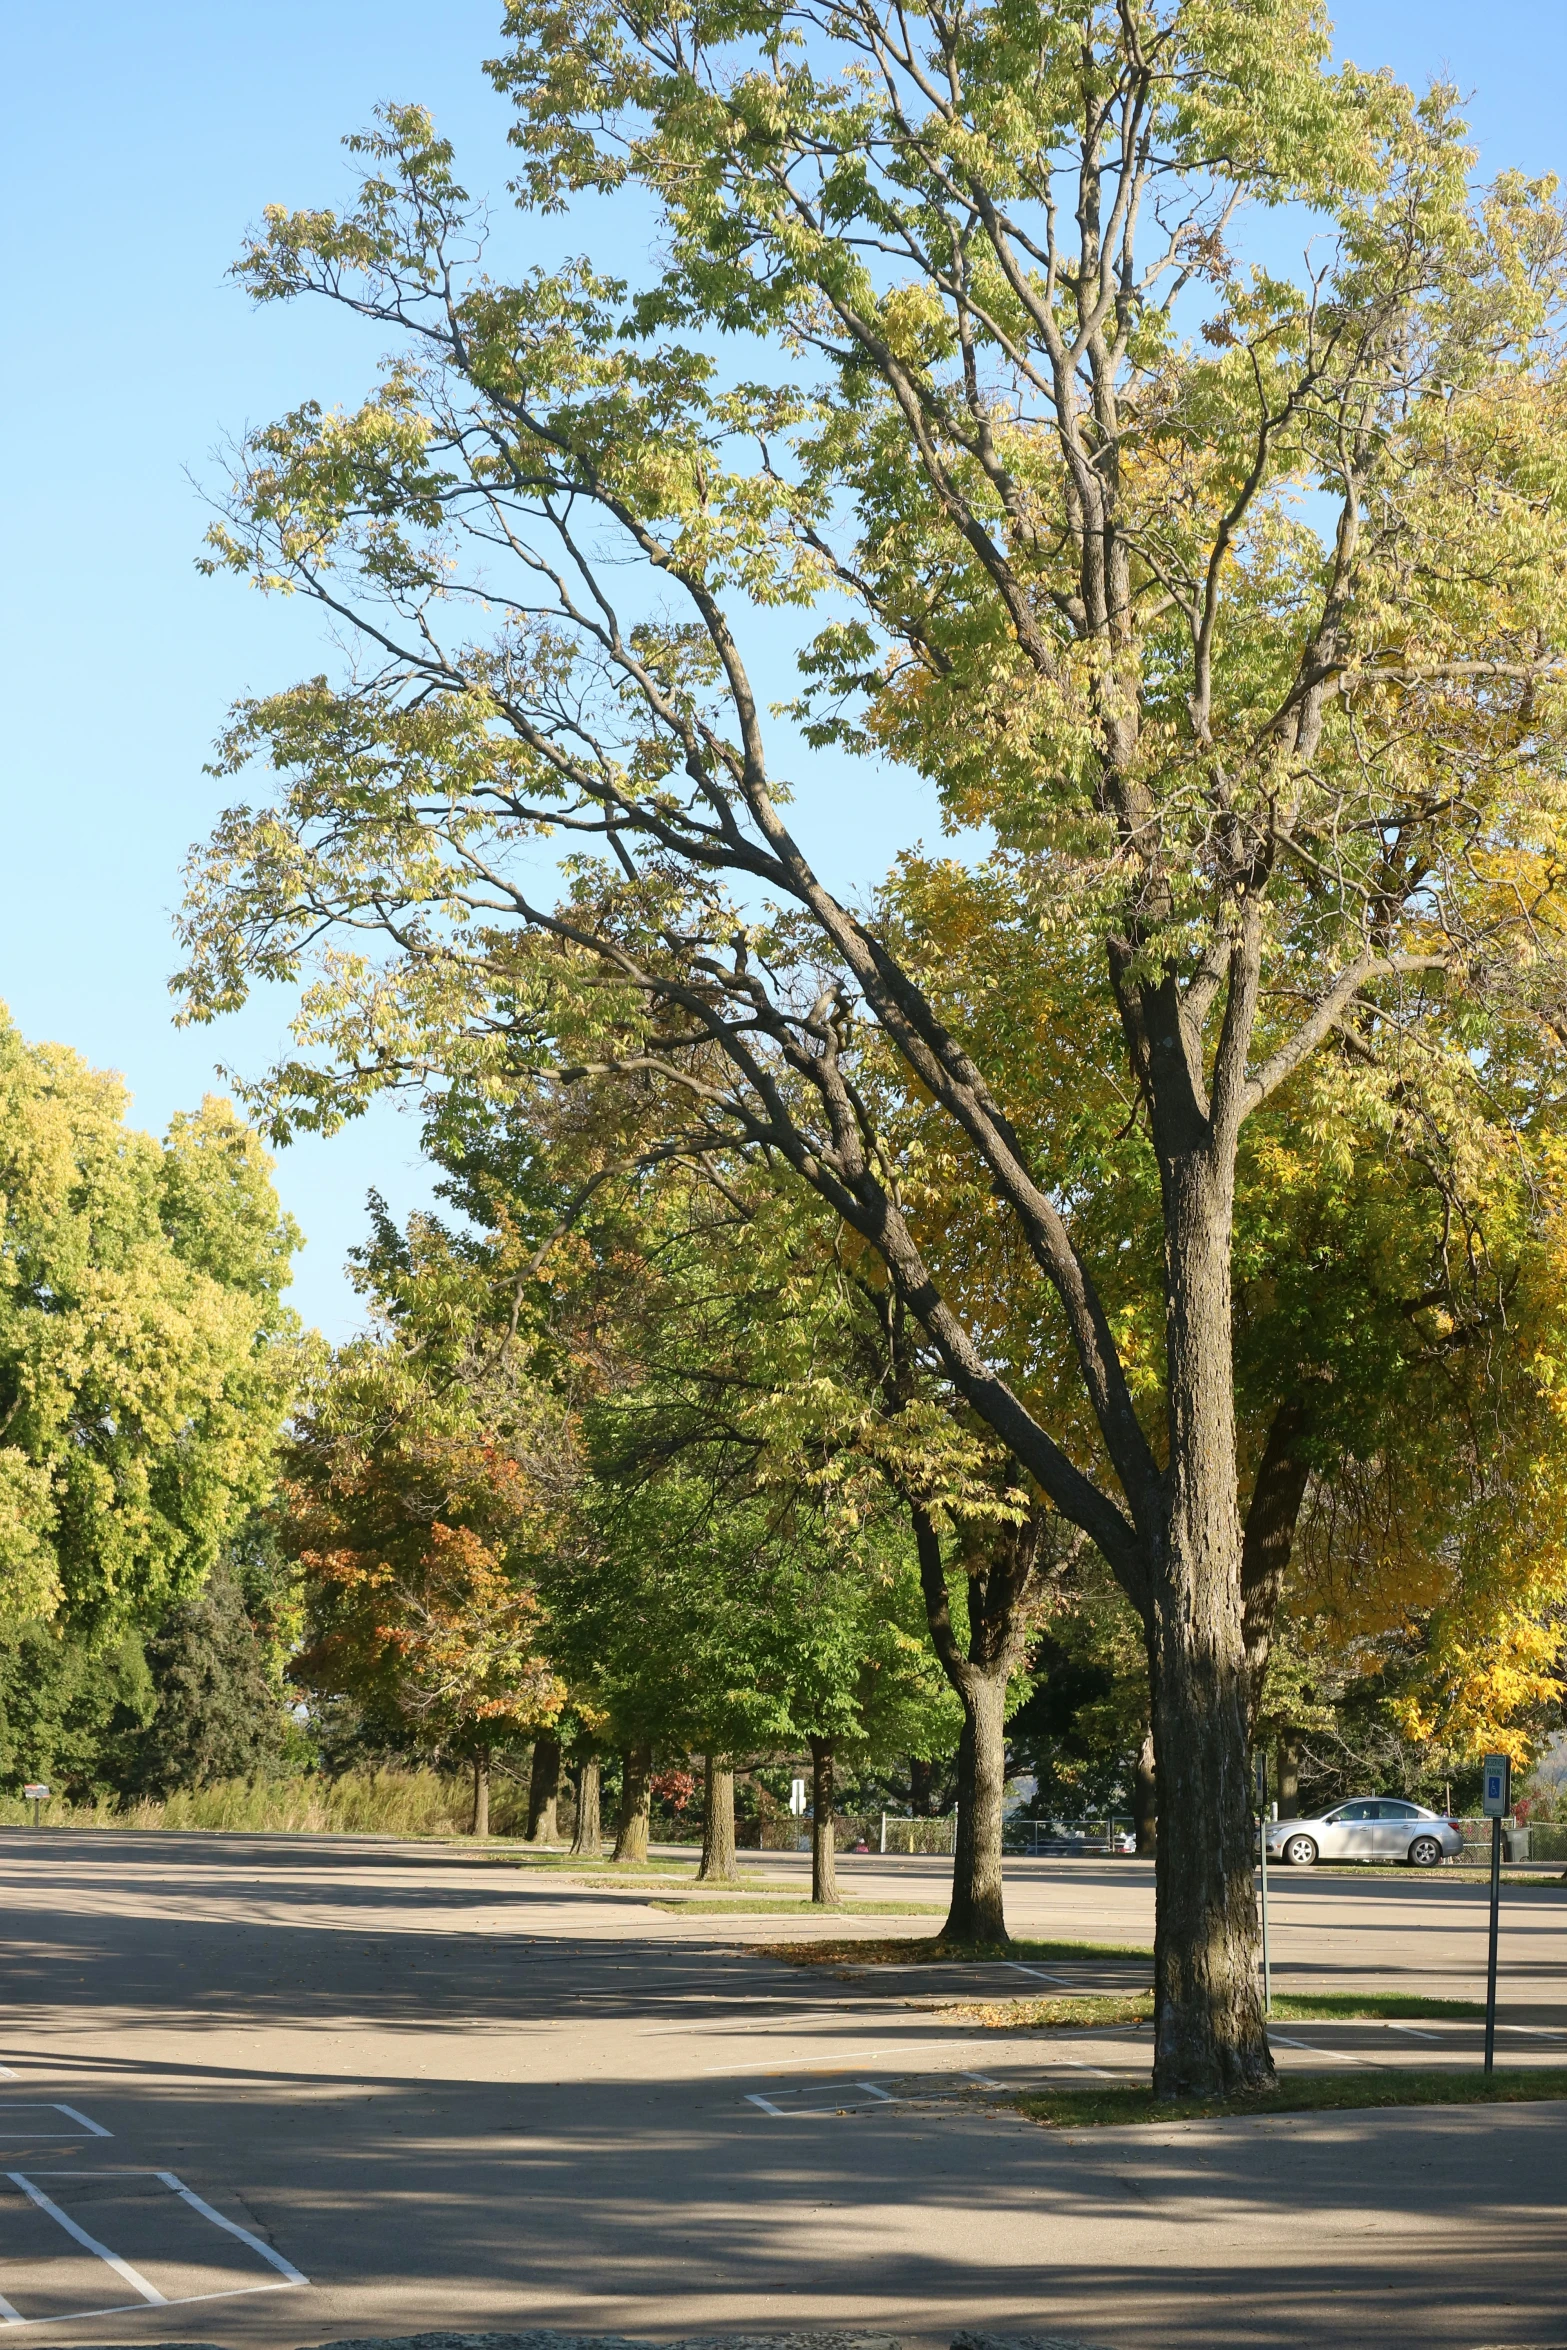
(1289, 1776)
(1272, 1515)
(921, 1780)
(481, 1795)
(824, 1875)
(718, 1821)
(978, 1908)
(636, 1803)
(587, 1837)
(544, 1791)
(1209, 2036)
(1000, 1589)
(1145, 1799)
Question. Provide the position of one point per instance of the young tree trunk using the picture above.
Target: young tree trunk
(922, 1776)
(718, 1820)
(636, 1803)
(1001, 1588)
(544, 1791)
(824, 1874)
(1272, 1516)
(481, 1795)
(1145, 1800)
(587, 1837)
(978, 1908)
(1289, 1776)
(1209, 2037)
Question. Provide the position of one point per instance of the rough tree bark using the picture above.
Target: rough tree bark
(1001, 1588)
(544, 1791)
(1145, 1796)
(824, 1874)
(922, 1776)
(636, 1803)
(587, 1837)
(480, 1823)
(718, 1820)
(1208, 2023)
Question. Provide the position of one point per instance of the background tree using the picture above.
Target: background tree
(146, 1357)
(425, 1480)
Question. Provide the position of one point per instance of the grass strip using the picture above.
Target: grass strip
(1101, 2109)
(737, 1905)
(1091, 2010)
(916, 1950)
(656, 1871)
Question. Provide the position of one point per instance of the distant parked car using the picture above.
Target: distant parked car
(1373, 1827)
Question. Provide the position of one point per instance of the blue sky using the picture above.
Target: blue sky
(140, 143)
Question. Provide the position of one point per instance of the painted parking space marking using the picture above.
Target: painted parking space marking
(85, 2126)
(121, 2268)
(827, 2100)
(188, 2194)
(1339, 2055)
(833, 2096)
(35, 2278)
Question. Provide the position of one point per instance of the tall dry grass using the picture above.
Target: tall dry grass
(359, 1803)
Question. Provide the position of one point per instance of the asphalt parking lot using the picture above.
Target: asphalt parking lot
(276, 2090)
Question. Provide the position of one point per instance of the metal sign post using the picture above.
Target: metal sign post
(37, 1794)
(1495, 1803)
(1262, 1846)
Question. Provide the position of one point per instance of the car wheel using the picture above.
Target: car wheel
(1425, 1852)
(1300, 1851)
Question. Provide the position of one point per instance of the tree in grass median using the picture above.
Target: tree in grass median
(1280, 785)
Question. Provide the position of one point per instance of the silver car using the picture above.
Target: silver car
(1373, 1827)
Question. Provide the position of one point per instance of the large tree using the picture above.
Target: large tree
(1245, 644)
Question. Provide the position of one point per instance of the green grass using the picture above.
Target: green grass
(1091, 2010)
(1098, 2109)
(732, 1906)
(1301, 2006)
(918, 1951)
(581, 1866)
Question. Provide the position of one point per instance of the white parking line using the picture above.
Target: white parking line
(290, 2276)
(1414, 2031)
(86, 2121)
(94, 2129)
(1533, 2031)
(1338, 2054)
(817, 2112)
(1018, 1968)
(121, 2268)
(73, 2317)
(256, 2244)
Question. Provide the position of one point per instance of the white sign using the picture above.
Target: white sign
(1495, 1787)
(35, 1793)
(797, 1798)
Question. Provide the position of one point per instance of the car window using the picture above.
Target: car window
(1357, 1811)
(1402, 1811)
